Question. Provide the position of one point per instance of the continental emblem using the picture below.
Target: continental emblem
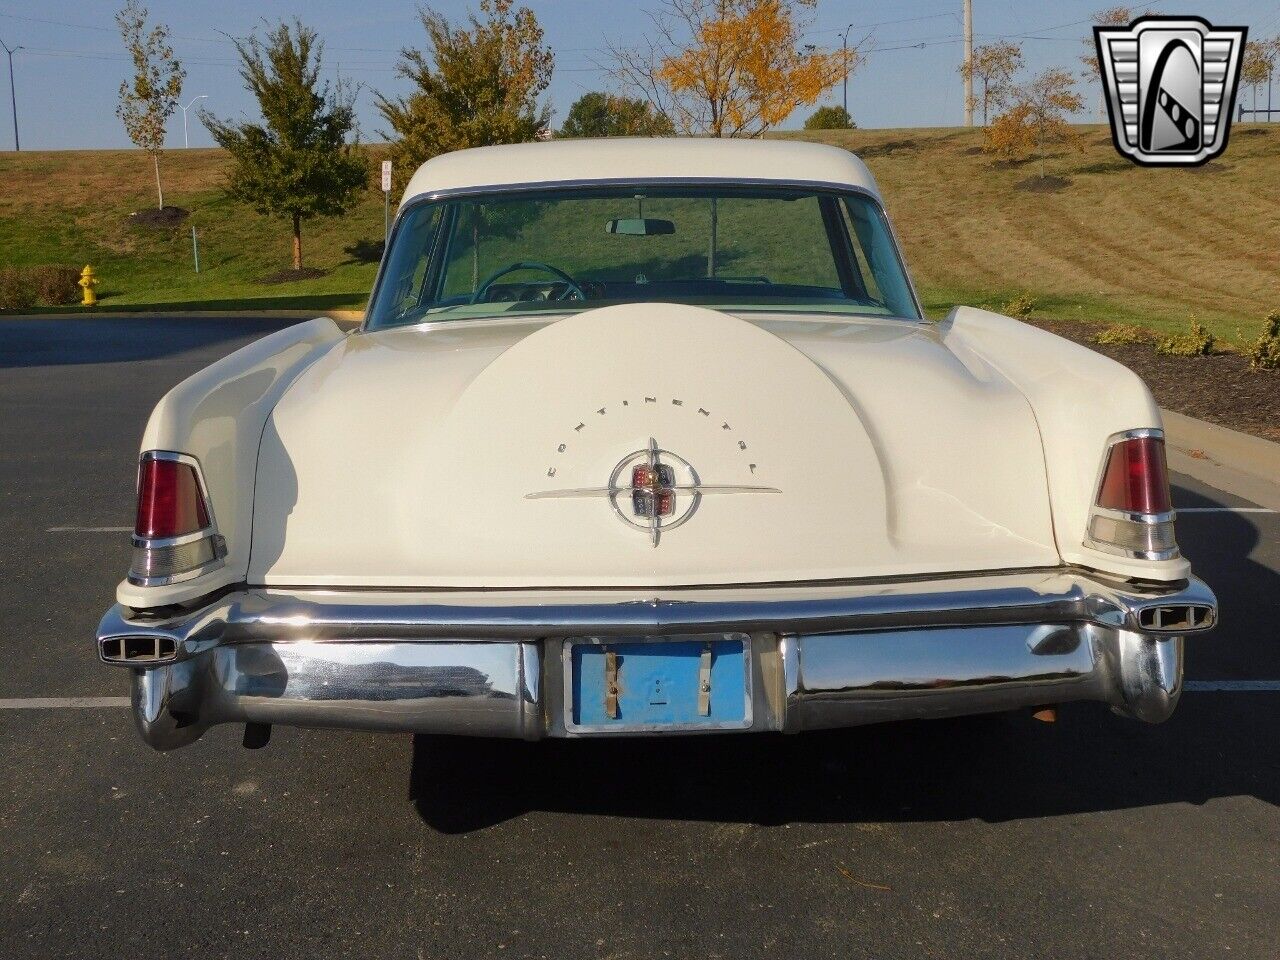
(1171, 87)
(652, 490)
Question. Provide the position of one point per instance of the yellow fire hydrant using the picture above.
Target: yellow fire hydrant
(88, 281)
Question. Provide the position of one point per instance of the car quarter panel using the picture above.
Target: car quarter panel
(217, 416)
(1080, 398)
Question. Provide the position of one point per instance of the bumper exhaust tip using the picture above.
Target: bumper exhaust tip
(138, 650)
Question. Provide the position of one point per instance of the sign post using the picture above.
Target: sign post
(386, 207)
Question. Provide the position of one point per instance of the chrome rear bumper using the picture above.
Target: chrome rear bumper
(488, 664)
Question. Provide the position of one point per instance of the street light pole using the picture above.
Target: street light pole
(13, 97)
(844, 52)
(203, 96)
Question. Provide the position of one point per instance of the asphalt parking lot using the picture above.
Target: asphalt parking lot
(989, 837)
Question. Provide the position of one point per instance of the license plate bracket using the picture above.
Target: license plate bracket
(657, 684)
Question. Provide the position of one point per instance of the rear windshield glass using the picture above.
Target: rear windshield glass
(747, 248)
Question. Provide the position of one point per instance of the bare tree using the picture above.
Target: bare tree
(149, 99)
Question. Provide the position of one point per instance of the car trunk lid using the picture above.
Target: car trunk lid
(482, 454)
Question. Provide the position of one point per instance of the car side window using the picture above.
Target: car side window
(877, 257)
(410, 257)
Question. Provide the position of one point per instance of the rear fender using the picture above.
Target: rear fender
(1080, 398)
(217, 416)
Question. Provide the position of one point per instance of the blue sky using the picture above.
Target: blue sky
(68, 76)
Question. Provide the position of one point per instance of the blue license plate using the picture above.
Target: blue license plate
(656, 684)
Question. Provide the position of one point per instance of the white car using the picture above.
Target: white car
(649, 437)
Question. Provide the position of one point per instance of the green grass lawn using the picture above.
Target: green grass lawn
(1116, 243)
(73, 207)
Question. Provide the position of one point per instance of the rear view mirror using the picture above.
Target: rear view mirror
(640, 227)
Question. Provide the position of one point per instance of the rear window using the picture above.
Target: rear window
(765, 248)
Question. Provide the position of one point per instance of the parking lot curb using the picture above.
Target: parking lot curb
(1235, 462)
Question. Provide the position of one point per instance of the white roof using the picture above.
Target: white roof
(640, 159)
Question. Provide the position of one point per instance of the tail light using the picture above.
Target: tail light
(173, 536)
(1132, 514)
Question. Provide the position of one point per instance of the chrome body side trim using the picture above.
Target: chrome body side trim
(824, 655)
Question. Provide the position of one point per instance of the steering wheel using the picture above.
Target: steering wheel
(493, 278)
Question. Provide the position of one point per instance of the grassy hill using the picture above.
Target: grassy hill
(1111, 242)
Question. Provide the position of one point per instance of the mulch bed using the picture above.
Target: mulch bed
(1220, 388)
(1045, 184)
(159, 217)
(288, 276)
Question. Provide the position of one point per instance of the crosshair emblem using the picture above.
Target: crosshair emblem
(652, 490)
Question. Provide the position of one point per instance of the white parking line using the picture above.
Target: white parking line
(1232, 686)
(62, 703)
(1223, 510)
(89, 530)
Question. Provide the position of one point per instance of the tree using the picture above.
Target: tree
(607, 115)
(474, 86)
(993, 64)
(1259, 64)
(1010, 137)
(729, 68)
(830, 118)
(1037, 118)
(1110, 17)
(299, 163)
(147, 102)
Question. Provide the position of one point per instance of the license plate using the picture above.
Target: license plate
(654, 684)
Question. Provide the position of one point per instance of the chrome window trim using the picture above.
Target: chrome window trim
(209, 532)
(534, 186)
(1148, 519)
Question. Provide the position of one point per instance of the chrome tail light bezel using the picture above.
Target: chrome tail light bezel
(1151, 536)
(161, 561)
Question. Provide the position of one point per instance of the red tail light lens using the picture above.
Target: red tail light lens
(170, 503)
(1136, 479)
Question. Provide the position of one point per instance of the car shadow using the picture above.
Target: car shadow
(993, 768)
(60, 341)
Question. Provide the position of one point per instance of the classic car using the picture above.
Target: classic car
(648, 437)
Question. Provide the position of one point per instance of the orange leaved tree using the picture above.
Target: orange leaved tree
(1038, 118)
(730, 68)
